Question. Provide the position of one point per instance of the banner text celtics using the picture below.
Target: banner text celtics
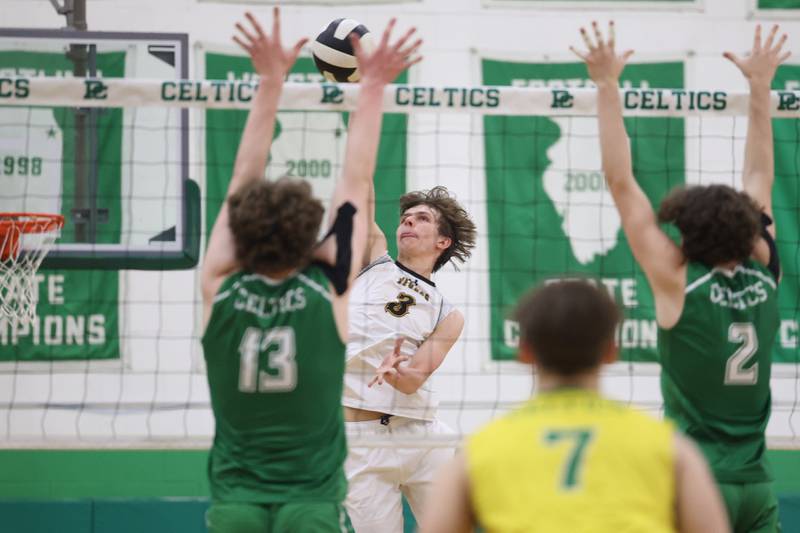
(568, 97)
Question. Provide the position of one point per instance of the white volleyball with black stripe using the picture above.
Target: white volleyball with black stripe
(333, 52)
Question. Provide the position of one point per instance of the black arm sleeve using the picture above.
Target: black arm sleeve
(342, 230)
(774, 264)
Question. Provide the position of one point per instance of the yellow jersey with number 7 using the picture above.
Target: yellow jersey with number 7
(571, 460)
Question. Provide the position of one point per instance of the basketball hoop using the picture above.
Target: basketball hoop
(25, 239)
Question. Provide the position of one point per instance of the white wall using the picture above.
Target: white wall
(160, 365)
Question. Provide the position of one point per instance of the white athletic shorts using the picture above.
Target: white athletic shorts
(378, 476)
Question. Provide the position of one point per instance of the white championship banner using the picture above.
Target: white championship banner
(487, 100)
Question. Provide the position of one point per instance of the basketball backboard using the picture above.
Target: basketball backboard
(119, 176)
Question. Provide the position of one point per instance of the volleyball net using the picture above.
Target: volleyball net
(112, 357)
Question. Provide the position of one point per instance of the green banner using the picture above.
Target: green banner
(549, 212)
(77, 311)
(778, 4)
(786, 208)
(306, 145)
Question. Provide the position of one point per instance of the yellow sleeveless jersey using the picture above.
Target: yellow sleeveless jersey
(572, 461)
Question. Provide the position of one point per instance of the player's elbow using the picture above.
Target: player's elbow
(620, 182)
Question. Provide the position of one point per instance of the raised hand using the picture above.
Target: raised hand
(760, 64)
(387, 61)
(604, 65)
(270, 59)
(389, 364)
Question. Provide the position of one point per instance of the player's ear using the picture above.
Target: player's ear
(525, 354)
(611, 353)
(444, 242)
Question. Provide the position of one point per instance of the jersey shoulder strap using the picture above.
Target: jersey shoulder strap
(228, 285)
(382, 260)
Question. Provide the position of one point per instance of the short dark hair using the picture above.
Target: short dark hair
(568, 325)
(274, 224)
(717, 223)
(453, 222)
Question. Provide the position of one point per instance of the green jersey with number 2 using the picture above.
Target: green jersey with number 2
(716, 367)
(275, 367)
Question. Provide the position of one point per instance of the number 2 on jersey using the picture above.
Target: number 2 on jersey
(580, 439)
(281, 360)
(735, 373)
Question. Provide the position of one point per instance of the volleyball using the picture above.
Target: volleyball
(333, 52)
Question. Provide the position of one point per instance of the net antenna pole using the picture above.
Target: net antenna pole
(83, 218)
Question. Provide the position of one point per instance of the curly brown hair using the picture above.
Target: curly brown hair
(453, 221)
(568, 325)
(717, 223)
(274, 224)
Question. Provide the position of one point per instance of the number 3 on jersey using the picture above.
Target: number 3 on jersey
(401, 306)
(281, 346)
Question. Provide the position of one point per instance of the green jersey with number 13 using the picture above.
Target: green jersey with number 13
(716, 367)
(275, 367)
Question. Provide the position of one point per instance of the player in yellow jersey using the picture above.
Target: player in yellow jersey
(571, 460)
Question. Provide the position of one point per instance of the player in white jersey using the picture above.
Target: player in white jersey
(401, 329)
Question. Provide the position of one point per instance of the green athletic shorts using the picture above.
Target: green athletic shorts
(752, 507)
(299, 517)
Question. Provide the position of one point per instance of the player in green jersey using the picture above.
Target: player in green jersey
(275, 309)
(715, 291)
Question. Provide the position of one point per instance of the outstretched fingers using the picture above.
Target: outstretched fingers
(276, 24)
(757, 39)
(780, 43)
(298, 47)
(410, 49)
(390, 57)
(256, 26)
(246, 46)
(612, 38)
(355, 42)
(771, 37)
(251, 39)
(402, 41)
(387, 33)
(587, 40)
(575, 51)
(597, 34)
(411, 62)
(733, 58)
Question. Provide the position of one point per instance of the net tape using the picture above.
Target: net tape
(483, 100)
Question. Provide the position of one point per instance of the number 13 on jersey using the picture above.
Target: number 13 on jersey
(280, 344)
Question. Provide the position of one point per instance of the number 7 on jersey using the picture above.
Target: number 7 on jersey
(579, 438)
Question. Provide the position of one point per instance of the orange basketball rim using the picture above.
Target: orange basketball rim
(25, 239)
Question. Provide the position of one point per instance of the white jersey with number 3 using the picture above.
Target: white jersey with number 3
(387, 301)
